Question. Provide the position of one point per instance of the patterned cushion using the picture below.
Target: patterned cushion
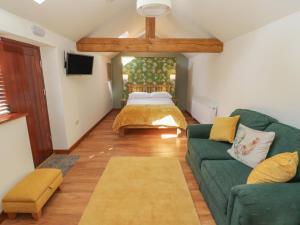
(251, 146)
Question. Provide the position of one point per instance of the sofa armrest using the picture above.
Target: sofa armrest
(199, 131)
(262, 204)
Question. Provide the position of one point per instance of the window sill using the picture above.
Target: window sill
(10, 117)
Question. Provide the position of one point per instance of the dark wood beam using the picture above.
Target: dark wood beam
(150, 27)
(149, 45)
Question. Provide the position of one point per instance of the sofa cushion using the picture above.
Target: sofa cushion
(254, 120)
(201, 149)
(221, 175)
(251, 146)
(287, 139)
(224, 129)
(280, 168)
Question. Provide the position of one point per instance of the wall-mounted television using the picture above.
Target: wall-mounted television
(79, 64)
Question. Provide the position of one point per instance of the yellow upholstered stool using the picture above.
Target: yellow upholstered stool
(32, 193)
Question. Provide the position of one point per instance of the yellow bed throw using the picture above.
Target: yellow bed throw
(150, 115)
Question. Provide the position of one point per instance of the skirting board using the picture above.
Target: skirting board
(191, 116)
(68, 151)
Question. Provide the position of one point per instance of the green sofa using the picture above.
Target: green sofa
(222, 180)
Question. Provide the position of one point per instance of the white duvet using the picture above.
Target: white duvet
(150, 101)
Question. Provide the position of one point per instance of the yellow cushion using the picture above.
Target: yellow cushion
(277, 169)
(224, 129)
(32, 186)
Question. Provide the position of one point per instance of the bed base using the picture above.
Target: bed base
(122, 131)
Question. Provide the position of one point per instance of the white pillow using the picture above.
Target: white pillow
(162, 94)
(135, 95)
(251, 146)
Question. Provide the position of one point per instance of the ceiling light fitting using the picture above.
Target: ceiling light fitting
(39, 1)
(153, 8)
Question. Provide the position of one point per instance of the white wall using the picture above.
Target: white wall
(87, 99)
(16, 158)
(259, 70)
(54, 93)
(75, 104)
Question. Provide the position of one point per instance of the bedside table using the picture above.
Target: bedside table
(123, 102)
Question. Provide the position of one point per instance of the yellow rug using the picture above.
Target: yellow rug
(141, 191)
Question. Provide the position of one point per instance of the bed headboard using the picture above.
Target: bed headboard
(149, 88)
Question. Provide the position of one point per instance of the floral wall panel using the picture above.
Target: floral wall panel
(149, 70)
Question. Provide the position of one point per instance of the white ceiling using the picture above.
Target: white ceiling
(223, 19)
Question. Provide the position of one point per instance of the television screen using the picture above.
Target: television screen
(79, 64)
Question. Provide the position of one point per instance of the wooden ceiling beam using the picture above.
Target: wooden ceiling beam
(149, 45)
(150, 27)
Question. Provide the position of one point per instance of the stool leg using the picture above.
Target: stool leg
(37, 215)
(11, 216)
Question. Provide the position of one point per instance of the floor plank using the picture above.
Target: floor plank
(67, 205)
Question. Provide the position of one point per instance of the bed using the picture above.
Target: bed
(149, 106)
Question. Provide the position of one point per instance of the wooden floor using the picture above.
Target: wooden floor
(67, 205)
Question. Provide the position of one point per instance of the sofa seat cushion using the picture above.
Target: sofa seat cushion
(254, 120)
(287, 139)
(220, 176)
(202, 149)
(33, 186)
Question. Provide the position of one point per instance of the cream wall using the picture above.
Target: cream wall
(16, 158)
(87, 99)
(54, 93)
(75, 103)
(259, 70)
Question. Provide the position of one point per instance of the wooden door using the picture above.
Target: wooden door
(25, 89)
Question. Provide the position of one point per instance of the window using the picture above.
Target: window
(4, 109)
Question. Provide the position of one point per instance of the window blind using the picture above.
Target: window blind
(4, 108)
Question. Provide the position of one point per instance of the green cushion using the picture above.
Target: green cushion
(254, 120)
(220, 176)
(287, 139)
(201, 149)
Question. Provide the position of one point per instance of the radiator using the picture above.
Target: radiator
(203, 112)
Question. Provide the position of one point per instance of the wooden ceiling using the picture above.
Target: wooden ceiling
(150, 43)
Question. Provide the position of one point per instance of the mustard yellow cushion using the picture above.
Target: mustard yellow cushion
(32, 186)
(224, 129)
(280, 168)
